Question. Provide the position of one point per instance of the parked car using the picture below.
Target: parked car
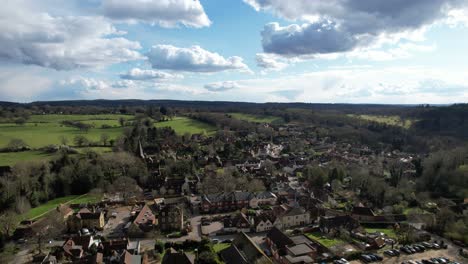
(366, 259)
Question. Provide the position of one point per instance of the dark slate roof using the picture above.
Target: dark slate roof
(359, 210)
(279, 238)
(228, 197)
(232, 255)
(174, 257)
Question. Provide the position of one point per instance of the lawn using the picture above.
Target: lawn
(220, 246)
(389, 120)
(38, 135)
(182, 125)
(256, 118)
(387, 231)
(42, 209)
(327, 242)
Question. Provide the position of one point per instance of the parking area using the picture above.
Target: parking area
(450, 253)
(118, 219)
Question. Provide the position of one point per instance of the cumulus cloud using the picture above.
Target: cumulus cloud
(60, 42)
(192, 59)
(341, 26)
(270, 61)
(167, 13)
(221, 86)
(145, 75)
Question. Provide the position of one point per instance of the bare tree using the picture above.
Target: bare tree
(8, 222)
(48, 228)
(104, 139)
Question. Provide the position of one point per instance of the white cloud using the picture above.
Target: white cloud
(221, 86)
(192, 59)
(270, 61)
(167, 13)
(145, 75)
(397, 85)
(60, 42)
(338, 26)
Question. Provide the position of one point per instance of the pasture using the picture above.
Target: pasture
(389, 120)
(43, 209)
(256, 118)
(183, 125)
(43, 130)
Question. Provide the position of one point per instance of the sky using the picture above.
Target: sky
(334, 51)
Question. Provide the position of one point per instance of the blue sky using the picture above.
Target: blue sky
(337, 51)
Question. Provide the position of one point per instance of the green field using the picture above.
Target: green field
(59, 118)
(38, 135)
(182, 125)
(256, 118)
(11, 158)
(327, 242)
(389, 120)
(387, 231)
(41, 210)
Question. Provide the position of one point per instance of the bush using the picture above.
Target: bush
(159, 246)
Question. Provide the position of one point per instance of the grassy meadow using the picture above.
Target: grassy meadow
(182, 125)
(43, 130)
(389, 120)
(256, 118)
(43, 209)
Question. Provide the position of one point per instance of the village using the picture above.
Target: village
(280, 218)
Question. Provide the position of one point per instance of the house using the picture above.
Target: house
(75, 247)
(65, 211)
(331, 224)
(173, 257)
(299, 254)
(171, 217)
(129, 258)
(72, 250)
(361, 213)
(263, 222)
(86, 219)
(291, 216)
(263, 198)
(243, 250)
(97, 259)
(223, 202)
(238, 223)
(291, 250)
(277, 242)
(144, 222)
(109, 246)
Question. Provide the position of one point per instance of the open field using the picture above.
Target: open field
(11, 158)
(42, 209)
(389, 120)
(59, 118)
(182, 125)
(38, 135)
(256, 118)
